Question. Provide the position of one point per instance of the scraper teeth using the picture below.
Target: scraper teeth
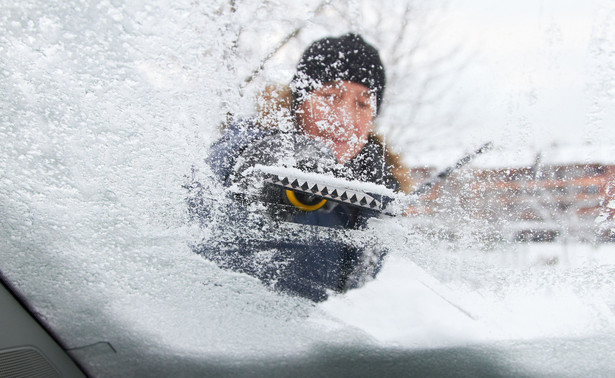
(341, 195)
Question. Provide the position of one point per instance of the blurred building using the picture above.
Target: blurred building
(537, 203)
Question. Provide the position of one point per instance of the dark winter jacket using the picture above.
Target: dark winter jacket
(303, 253)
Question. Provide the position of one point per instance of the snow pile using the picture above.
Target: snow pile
(435, 293)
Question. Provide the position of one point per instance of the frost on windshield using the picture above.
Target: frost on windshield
(108, 112)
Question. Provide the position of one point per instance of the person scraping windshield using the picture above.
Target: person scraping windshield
(334, 97)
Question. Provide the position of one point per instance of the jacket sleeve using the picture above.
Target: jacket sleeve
(223, 154)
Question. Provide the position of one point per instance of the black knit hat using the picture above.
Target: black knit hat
(347, 58)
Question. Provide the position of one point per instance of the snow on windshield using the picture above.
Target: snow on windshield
(108, 109)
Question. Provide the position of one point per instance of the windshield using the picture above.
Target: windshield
(108, 114)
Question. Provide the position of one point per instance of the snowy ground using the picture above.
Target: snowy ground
(105, 109)
(476, 296)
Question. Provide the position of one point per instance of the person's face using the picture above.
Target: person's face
(340, 114)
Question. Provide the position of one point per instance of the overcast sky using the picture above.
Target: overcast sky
(543, 72)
